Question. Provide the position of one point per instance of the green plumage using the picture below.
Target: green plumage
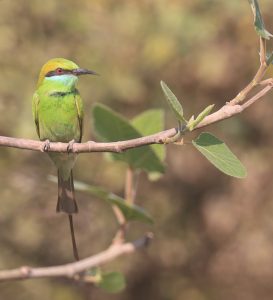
(58, 113)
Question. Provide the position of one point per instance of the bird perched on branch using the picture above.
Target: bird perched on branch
(58, 114)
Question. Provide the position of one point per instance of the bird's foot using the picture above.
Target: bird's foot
(46, 146)
(70, 146)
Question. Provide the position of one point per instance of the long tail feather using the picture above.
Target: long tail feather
(66, 195)
(73, 238)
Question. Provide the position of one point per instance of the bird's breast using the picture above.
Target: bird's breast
(58, 118)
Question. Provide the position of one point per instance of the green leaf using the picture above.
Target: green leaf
(111, 126)
(130, 212)
(258, 20)
(219, 155)
(173, 102)
(193, 123)
(112, 282)
(147, 123)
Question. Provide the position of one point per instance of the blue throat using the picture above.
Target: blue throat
(59, 85)
(67, 80)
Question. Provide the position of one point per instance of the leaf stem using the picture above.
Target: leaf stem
(129, 194)
(129, 186)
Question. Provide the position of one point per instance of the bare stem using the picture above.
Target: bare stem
(262, 51)
(129, 198)
(120, 234)
(129, 186)
(257, 78)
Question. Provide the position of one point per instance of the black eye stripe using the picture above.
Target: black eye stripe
(55, 72)
(50, 73)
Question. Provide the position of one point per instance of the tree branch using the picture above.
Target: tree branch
(229, 110)
(71, 270)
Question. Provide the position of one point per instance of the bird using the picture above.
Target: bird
(58, 113)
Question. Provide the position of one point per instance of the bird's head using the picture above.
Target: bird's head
(60, 69)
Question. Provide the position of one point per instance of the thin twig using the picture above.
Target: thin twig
(257, 78)
(128, 194)
(262, 51)
(90, 146)
(119, 237)
(258, 96)
(72, 269)
(136, 182)
(266, 82)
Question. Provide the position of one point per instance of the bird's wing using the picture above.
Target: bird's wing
(79, 105)
(35, 103)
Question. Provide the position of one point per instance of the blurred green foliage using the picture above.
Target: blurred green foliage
(112, 282)
(212, 233)
(130, 212)
(110, 127)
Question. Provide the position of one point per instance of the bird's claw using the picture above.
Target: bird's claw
(46, 146)
(70, 146)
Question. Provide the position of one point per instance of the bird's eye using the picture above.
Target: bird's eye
(59, 71)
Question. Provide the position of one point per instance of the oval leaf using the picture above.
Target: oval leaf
(217, 152)
(172, 101)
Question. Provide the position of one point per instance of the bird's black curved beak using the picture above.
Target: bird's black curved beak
(80, 71)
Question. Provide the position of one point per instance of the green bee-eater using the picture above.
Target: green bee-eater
(58, 113)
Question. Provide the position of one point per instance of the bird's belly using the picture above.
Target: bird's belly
(58, 120)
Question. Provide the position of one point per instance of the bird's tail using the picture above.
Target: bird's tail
(66, 195)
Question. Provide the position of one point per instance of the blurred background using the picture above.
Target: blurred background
(213, 233)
